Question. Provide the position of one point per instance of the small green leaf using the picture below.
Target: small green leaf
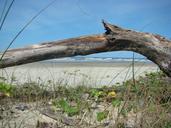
(5, 88)
(116, 103)
(102, 115)
(64, 105)
(71, 111)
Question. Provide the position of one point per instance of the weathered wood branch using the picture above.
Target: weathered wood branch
(155, 47)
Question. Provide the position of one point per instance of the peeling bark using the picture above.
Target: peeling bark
(155, 47)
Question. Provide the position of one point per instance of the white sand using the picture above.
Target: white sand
(84, 73)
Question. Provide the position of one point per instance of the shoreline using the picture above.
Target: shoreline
(90, 64)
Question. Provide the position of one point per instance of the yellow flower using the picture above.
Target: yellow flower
(112, 94)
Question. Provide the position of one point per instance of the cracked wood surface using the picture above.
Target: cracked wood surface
(155, 47)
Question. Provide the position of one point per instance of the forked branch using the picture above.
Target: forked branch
(155, 47)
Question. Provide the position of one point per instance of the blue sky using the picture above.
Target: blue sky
(72, 18)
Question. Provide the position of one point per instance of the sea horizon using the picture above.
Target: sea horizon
(79, 59)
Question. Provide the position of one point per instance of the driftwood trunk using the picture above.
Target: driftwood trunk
(155, 47)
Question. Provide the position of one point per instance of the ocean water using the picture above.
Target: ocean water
(97, 59)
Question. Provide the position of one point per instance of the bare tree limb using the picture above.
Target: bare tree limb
(155, 47)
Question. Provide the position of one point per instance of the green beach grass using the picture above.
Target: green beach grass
(143, 104)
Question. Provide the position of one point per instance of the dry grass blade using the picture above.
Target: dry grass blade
(25, 26)
(133, 65)
(3, 10)
(6, 14)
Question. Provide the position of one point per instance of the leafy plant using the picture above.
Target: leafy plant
(64, 105)
(116, 102)
(6, 88)
(102, 115)
(96, 93)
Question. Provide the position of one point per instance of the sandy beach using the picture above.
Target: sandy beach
(94, 74)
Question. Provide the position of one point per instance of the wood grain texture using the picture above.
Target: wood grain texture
(155, 47)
